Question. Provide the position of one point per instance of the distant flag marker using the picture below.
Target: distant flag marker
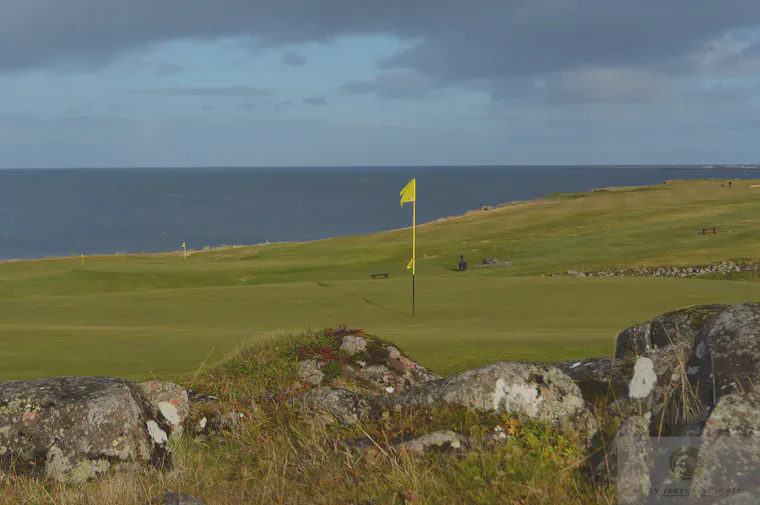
(184, 249)
(409, 194)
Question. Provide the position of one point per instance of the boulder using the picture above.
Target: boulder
(726, 355)
(630, 386)
(169, 399)
(592, 376)
(72, 428)
(729, 452)
(381, 366)
(531, 390)
(338, 404)
(628, 461)
(655, 372)
(175, 499)
(310, 372)
(352, 345)
(665, 330)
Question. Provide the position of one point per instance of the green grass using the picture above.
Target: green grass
(154, 315)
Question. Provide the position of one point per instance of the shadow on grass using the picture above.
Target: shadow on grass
(322, 284)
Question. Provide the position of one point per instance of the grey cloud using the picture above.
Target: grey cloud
(397, 84)
(281, 106)
(263, 105)
(722, 93)
(294, 60)
(168, 69)
(315, 100)
(453, 42)
(457, 39)
(627, 85)
(207, 91)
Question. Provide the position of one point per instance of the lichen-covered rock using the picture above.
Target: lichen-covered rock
(729, 453)
(627, 461)
(310, 372)
(175, 499)
(592, 376)
(667, 329)
(341, 405)
(170, 399)
(441, 440)
(378, 365)
(727, 352)
(658, 378)
(352, 344)
(535, 391)
(72, 428)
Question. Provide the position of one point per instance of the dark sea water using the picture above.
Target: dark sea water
(64, 212)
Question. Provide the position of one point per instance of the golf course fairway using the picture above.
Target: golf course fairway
(155, 315)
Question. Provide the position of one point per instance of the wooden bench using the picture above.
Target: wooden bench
(704, 230)
(375, 276)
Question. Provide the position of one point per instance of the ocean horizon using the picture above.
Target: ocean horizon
(72, 211)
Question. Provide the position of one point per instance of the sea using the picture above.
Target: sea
(63, 212)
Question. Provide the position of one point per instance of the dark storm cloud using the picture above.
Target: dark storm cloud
(454, 40)
(315, 100)
(294, 60)
(227, 92)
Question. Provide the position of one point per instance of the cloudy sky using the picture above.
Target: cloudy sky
(394, 82)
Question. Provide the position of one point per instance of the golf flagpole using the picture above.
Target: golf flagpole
(409, 194)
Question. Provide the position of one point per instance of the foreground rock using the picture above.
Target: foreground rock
(441, 440)
(690, 376)
(373, 363)
(627, 461)
(726, 356)
(171, 400)
(338, 405)
(592, 375)
(729, 452)
(666, 330)
(533, 391)
(73, 428)
(655, 372)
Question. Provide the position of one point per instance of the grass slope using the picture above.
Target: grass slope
(154, 315)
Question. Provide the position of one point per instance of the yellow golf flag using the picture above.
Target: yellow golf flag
(409, 193)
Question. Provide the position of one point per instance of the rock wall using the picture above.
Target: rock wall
(723, 269)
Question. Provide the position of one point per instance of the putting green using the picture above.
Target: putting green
(460, 323)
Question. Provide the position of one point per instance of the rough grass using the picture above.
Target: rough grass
(277, 455)
(155, 316)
